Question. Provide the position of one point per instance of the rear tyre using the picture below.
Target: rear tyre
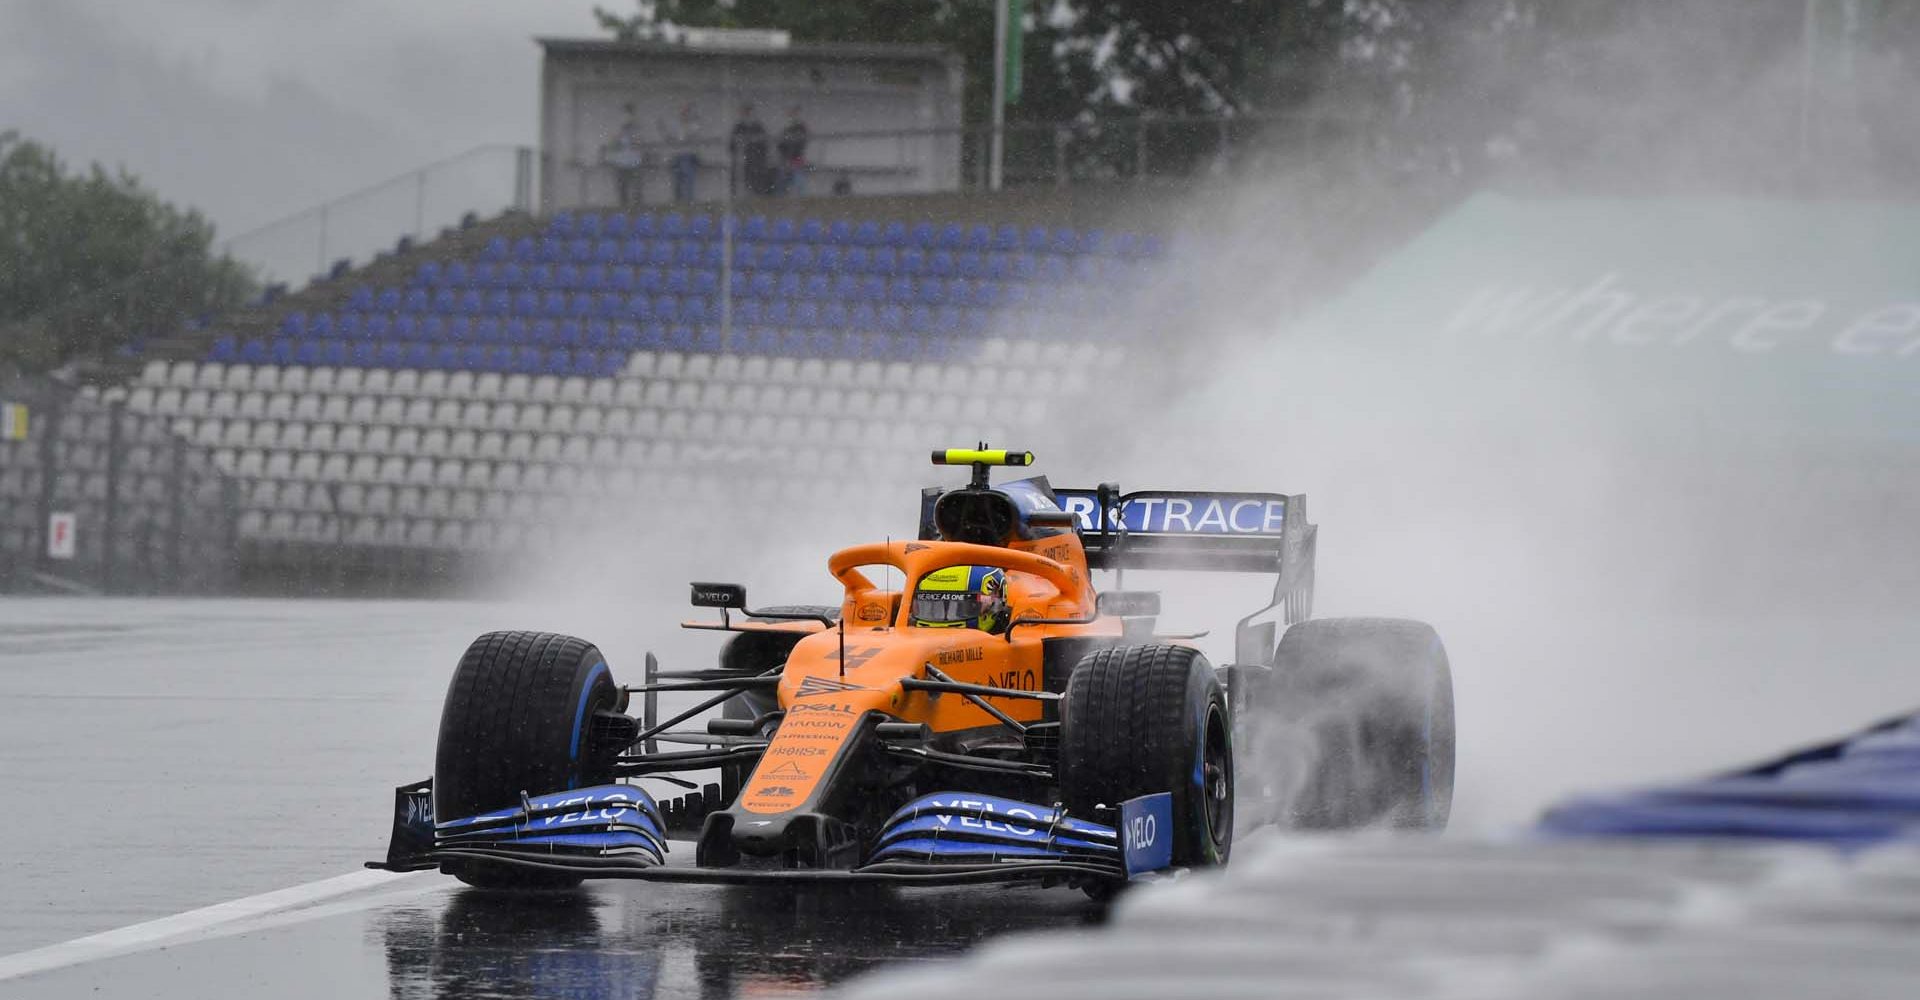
(1365, 705)
(516, 721)
(751, 653)
(1137, 720)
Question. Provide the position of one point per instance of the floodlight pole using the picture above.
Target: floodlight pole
(996, 155)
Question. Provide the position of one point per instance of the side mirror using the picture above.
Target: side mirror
(1052, 519)
(1129, 603)
(720, 595)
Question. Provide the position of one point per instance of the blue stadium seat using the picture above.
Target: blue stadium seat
(366, 354)
(428, 273)
(829, 259)
(1006, 239)
(583, 305)
(320, 325)
(701, 227)
(653, 335)
(883, 260)
(941, 264)
(922, 236)
(794, 343)
(672, 226)
(840, 232)
(361, 299)
(456, 273)
(1035, 240)
(526, 302)
(753, 230)
(789, 286)
(552, 251)
(495, 250)
(225, 351)
(406, 328)
(434, 328)
(873, 288)
(570, 333)
(554, 304)
(971, 264)
(1053, 270)
(1093, 241)
(609, 305)
(607, 251)
(778, 313)
(856, 260)
(473, 358)
(599, 334)
(677, 282)
(516, 331)
(376, 327)
(748, 312)
(544, 332)
(806, 314)
(782, 231)
(932, 291)
(1025, 267)
(460, 329)
(920, 319)
(446, 357)
(689, 253)
(294, 324)
(812, 231)
(644, 226)
(346, 326)
(705, 281)
(800, 257)
(620, 279)
(769, 258)
(416, 301)
(539, 276)
(634, 251)
(900, 290)
(649, 280)
(835, 316)
(892, 318)
(816, 286)
(525, 250)
(661, 253)
(1064, 241)
(332, 352)
(586, 363)
(500, 359)
(760, 286)
(638, 307)
(846, 288)
(561, 224)
(626, 336)
(564, 276)
(979, 238)
(529, 360)
(912, 261)
(586, 225)
(666, 308)
(446, 301)
(510, 275)
(895, 234)
(952, 237)
(706, 338)
(867, 234)
(308, 353)
(388, 300)
(616, 226)
(694, 309)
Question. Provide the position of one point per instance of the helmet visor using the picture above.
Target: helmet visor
(947, 607)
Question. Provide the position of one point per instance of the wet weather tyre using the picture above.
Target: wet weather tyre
(517, 719)
(1370, 703)
(757, 652)
(1137, 720)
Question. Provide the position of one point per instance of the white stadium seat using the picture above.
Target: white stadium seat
(575, 448)
(420, 471)
(320, 437)
(393, 469)
(754, 369)
(673, 424)
(459, 385)
(839, 372)
(279, 465)
(154, 374)
(416, 412)
(463, 444)
(406, 441)
(713, 395)
(473, 475)
(306, 466)
(391, 411)
(646, 423)
(366, 469)
(140, 400)
(545, 389)
(181, 375)
(605, 451)
(433, 441)
(491, 445)
(669, 365)
(279, 406)
(782, 370)
(210, 375)
(223, 404)
(600, 391)
(519, 447)
(589, 420)
(618, 422)
(377, 382)
(507, 476)
(488, 385)
(336, 468)
(349, 381)
(409, 501)
(320, 379)
(433, 383)
(250, 464)
(351, 438)
(405, 382)
(445, 413)
(239, 378)
(573, 389)
(698, 367)
(629, 392)
(497, 507)
(546, 447)
(516, 387)
(726, 368)
(560, 419)
(533, 418)
(252, 405)
(811, 371)
(379, 501)
(641, 364)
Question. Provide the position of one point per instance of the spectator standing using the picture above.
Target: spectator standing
(792, 148)
(684, 139)
(626, 154)
(752, 154)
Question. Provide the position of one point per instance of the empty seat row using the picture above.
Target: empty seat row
(696, 266)
(920, 334)
(567, 226)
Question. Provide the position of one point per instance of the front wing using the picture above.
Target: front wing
(617, 831)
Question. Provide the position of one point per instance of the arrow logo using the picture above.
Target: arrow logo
(788, 770)
(826, 685)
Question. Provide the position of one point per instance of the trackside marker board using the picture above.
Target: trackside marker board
(1182, 514)
(13, 422)
(1146, 833)
(60, 529)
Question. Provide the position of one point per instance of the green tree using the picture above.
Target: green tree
(92, 261)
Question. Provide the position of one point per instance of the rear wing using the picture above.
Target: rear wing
(1217, 532)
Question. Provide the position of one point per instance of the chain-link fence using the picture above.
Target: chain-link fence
(96, 498)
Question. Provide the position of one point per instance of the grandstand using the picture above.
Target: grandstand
(509, 382)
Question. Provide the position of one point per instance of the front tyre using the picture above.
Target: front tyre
(1138, 720)
(516, 720)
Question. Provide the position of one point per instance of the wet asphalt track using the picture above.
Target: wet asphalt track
(161, 756)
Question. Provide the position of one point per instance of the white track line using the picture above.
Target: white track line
(208, 918)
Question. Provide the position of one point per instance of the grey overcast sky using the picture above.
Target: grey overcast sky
(252, 110)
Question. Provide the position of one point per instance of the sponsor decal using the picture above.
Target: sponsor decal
(829, 724)
(1146, 833)
(776, 792)
(812, 686)
(871, 613)
(420, 809)
(787, 770)
(1198, 514)
(834, 708)
(1019, 680)
(791, 751)
(855, 656)
(963, 822)
(914, 547)
(1057, 553)
(949, 657)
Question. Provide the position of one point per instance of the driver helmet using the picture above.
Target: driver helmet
(962, 597)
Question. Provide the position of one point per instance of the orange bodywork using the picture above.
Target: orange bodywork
(825, 698)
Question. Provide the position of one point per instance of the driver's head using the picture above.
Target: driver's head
(962, 597)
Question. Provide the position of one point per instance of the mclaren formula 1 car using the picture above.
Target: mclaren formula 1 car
(993, 719)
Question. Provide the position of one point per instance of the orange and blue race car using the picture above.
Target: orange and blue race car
(994, 719)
